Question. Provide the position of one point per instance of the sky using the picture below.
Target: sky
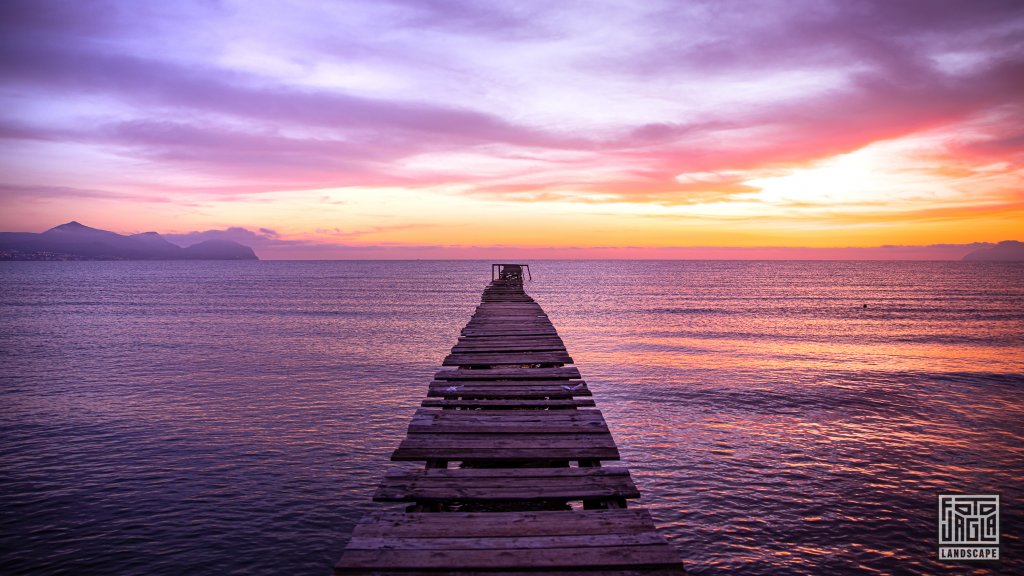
(430, 128)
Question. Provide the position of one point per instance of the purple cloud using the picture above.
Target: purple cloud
(329, 95)
(257, 238)
(268, 244)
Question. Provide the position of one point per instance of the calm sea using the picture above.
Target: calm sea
(233, 418)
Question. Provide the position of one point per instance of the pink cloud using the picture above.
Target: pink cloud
(154, 84)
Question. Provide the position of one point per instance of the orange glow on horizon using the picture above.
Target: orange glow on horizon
(581, 141)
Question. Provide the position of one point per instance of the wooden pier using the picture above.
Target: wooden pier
(512, 481)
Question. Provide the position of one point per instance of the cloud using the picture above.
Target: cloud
(21, 193)
(259, 238)
(267, 243)
(662, 103)
(203, 89)
(324, 243)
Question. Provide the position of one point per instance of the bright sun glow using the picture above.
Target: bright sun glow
(891, 175)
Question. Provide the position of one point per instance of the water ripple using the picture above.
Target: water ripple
(210, 418)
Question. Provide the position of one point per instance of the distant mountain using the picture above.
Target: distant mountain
(1005, 251)
(74, 241)
(219, 250)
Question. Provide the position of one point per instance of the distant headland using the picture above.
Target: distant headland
(1005, 251)
(74, 241)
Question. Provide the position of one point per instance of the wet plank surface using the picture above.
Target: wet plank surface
(470, 484)
(434, 421)
(555, 542)
(561, 373)
(497, 359)
(507, 446)
(517, 404)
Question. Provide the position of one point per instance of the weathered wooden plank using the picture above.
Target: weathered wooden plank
(454, 386)
(501, 524)
(561, 373)
(510, 428)
(570, 384)
(508, 347)
(521, 404)
(507, 339)
(497, 491)
(510, 310)
(582, 415)
(503, 318)
(493, 473)
(491, 349)
(506, 333)
(506, 446)
(511, 315)
(511, 441)
(585, 571)
(467, 386)
(530, 484)
(508, 329)
(509, 393)
(531, 543)
(495, 424)
(508, 318)
(521, 309)
(535, 304)
(513, 339)
(489, 454)
(519, 347)
(511, 327)
(427, 424)
(484, 359)
(471, 428)
(528, 321)
(498, 555)
(511, 344)
(510, 299)
(511, 488)
(545, 338)
(505, 298)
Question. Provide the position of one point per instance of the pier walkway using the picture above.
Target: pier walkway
(513, 480)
